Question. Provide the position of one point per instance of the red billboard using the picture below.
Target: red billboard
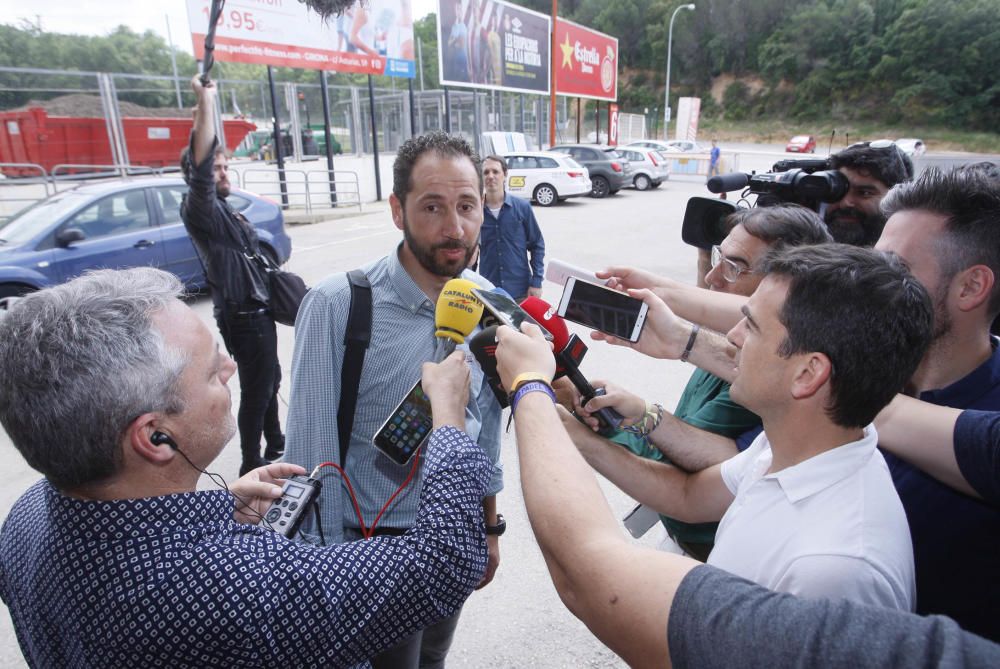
(586, 62)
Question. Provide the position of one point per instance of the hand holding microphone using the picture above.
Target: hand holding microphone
(569, 351)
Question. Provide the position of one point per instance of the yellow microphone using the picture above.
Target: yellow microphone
(456, 315)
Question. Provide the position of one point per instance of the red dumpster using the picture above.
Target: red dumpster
(32, 136)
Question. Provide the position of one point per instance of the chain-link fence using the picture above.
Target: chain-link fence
(57, 122)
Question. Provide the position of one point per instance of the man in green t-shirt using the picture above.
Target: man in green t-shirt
(703, 429)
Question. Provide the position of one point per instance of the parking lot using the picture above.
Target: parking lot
(518, 620)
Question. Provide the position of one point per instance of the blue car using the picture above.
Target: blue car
(118, 224)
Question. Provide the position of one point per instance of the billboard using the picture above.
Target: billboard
(376, 38)
(493, 44)
(586, 62)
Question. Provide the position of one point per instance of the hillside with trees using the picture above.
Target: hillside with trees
(926, 63)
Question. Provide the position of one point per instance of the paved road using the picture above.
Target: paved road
(518, 620)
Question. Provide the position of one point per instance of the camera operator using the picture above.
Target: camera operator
(871, 168)
(656, 609)
(116, 391)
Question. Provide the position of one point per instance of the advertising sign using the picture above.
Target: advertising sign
(688, 114)
(493, 44)
(613, 124)
(376, 38)
(586, 62)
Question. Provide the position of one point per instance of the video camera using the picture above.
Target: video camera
(808, 182)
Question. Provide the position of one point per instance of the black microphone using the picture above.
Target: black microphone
(569, 350)
(484, 347)
(725, 183)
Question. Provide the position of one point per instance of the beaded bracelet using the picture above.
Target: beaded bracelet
(530, 387)
(650, 420)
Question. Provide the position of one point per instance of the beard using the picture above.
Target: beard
(427, 255)
(222, 189)
(854, 227)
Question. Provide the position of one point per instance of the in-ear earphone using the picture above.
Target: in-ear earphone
(159, 438)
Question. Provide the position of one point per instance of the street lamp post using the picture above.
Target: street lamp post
(666, 93)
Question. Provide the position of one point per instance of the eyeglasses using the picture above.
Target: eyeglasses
(731, 272)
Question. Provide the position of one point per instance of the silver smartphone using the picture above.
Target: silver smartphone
(639, 520)
(508, 312)
(407, 428)
(604, 309)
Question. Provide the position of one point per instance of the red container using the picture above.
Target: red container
(32, 136)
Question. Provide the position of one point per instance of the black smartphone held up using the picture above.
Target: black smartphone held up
(287, 512)
(508, 312)
(407, 428)
(603, 309)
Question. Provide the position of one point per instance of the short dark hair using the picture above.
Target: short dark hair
(862, 309)
(441, 143)
(782, 225)
(499, 159)
(969, 198)
(889, 164)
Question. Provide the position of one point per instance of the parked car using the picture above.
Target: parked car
(801, 144)
(685, 146)
(651, 166)
(609, 171)
(546, 177)
(117, 224)
(656, 144)
(911, 147)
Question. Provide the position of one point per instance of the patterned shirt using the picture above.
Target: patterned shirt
(402, 339)
(174, 581)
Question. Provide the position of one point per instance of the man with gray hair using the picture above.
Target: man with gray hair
(116, 391)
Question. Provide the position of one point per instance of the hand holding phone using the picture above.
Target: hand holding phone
(600, 308)
(407, 427)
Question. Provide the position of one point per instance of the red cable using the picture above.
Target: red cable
(365, 531)
(409, 477)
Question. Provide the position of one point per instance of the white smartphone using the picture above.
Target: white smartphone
(604, 309)
(558, 271)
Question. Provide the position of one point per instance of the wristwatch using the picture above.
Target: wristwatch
(499, 528)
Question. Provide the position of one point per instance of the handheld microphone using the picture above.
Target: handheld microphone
(569, 351)
(724, 183)
(484, 347)
(456, 315)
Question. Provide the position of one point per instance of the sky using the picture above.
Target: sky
(100, 17)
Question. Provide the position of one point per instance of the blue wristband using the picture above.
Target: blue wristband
(530, 387)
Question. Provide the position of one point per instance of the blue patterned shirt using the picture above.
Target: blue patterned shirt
(402, 339)
(174, 581)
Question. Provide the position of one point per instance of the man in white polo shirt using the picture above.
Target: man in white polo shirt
(829, 337)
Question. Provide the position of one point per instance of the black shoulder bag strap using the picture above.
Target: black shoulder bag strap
(356, 339)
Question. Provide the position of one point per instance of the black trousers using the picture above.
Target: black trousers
(252, 340)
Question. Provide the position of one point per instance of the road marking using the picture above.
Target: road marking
(304, 249)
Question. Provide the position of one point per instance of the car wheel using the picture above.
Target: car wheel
(657, 184)
(599, 187)
(642, 182)
(11, 292)
(545, 195)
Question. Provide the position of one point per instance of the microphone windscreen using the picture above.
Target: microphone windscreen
(542, 312)
(723, 183)
(458, 311)
(484, 348)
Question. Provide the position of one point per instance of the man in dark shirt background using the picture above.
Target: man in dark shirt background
(224, 239)
(510, 236)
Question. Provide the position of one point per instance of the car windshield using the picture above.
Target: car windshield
(40, 216)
